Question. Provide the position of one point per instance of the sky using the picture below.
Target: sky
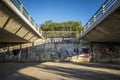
(62, 10)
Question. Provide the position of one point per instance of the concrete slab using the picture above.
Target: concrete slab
(12, 26)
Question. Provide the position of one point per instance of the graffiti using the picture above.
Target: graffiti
(110, 53)
(107, 52)
(62, 40)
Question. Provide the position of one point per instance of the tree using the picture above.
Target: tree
(63, 26)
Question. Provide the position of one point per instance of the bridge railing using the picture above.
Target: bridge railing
(104, 8)
(22, 9)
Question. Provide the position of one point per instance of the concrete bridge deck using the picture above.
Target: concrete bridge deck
(104, 26)
(16, 24)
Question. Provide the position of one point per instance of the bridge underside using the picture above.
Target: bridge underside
(13, 28)
(106, 31)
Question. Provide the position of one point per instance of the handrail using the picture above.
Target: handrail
(22, 9)
(104, 8)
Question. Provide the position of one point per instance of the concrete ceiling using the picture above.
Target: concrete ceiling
(106, 31)
(6, 36)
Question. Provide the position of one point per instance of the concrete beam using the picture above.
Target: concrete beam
(22, 32)
(13, 25)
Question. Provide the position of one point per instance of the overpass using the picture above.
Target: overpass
(18, 31)
(104, 26)
(102, 33)
(16, 24)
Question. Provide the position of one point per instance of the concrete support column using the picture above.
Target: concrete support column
(20, 53)
(94, 59)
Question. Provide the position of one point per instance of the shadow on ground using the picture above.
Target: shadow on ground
(79, 74)
(61, 71)
(9, 71)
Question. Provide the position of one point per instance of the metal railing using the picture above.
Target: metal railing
(22, 9)
(104, 8)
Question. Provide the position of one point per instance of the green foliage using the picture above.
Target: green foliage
(64, 29)
(63, 26)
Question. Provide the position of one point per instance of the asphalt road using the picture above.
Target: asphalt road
(59, 71)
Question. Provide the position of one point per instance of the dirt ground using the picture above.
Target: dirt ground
(59, 71)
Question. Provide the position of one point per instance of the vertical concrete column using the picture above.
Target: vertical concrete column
(31, 45)
(20, 53)
(94, 54)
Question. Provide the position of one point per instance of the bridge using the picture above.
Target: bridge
(104, 26)
(20, 41)
(16, 24)
(102, 33)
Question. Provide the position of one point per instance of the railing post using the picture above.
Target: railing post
(35, 24)
(29, 18)
(88, 25)
(21, 8)
(82, 30)
(94, 18)
(103, 9)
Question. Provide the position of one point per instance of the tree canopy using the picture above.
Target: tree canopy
(63, 26)
(66, 29)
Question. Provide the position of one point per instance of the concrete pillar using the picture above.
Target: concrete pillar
(20, 53)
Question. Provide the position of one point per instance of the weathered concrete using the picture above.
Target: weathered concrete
(107, 28)
(12, 24)
(59, 71)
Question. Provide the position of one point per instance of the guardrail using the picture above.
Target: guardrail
(22, 9)
(104, 8)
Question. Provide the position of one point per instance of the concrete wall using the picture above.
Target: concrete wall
(106, 52)
(41, 50)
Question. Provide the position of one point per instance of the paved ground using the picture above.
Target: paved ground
(59, 71)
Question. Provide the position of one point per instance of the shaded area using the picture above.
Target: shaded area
(58, 71)
(8, 71)
(82, 74)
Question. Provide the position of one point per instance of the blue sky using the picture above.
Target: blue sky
(62, 10)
